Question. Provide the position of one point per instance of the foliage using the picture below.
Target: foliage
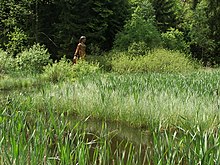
(94, 50)
(98, 21)
(124, 63)
(138, 29)
(59, 71)
(16, 41)
(59, 24)
(104, 61)
(145, 9)
(200, 31)
(15, 23)
(7, 63)
(173, 39)
(140, 48)
(165, 14)
(64, 70)
(33, 59)
(116, 21)
(83, 68)
(162, 60)
(204, 31)
(159, 60)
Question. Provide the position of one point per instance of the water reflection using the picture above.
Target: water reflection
(120, 137)
(117, 130)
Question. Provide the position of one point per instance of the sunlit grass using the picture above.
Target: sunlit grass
(179, 113)
(142, 99)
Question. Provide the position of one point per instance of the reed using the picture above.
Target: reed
(146, 99)
(180, 114)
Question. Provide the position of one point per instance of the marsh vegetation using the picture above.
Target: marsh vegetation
(175, 117)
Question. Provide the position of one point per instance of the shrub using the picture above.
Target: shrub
(64, 70)
(122, 62)
(83, 68)
(7, 63)
(58, 71)
(103, 61)
(34, 59)
(173, 39)
(138, 48)
(160, 60)
(16, 41)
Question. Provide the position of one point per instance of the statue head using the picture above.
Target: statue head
(82, 39)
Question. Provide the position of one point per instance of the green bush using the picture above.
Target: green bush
(173, 39)
(104, 61)
(17, 40)
(122, 62)
(7, 63)
(83, 68)
(33, 60)
(160, 60)
(138, 48)
(59, 71)
(64, 70)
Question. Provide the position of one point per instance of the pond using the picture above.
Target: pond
(121, 139)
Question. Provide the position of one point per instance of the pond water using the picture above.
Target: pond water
(120, 135)
(116, 132)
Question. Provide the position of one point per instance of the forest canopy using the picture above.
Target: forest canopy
(189, 26)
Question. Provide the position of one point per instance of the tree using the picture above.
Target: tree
(139, 29)
(116, 21)
(14, 18)
(214, 22)
(165, 14)
(205, 31)
(99, 21)
(58, 24)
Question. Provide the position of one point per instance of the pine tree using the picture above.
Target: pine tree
(116, 20)
(165, 14)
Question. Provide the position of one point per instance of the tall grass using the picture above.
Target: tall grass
(29, 136)
(178, 113)
(145, 99)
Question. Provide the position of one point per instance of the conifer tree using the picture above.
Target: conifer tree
(165, 14)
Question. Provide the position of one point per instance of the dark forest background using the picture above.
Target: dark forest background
(189, 26)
